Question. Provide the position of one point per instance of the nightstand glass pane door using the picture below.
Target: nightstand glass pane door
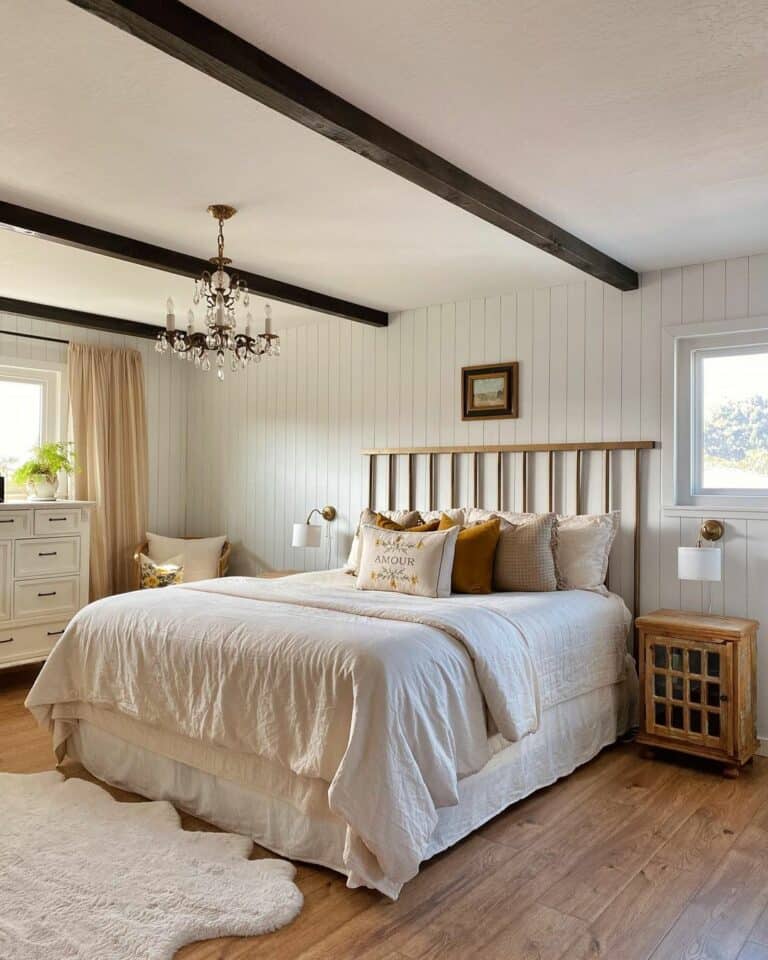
(687, 691)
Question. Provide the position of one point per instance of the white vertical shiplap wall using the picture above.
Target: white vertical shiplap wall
(166, 396)
(268, 445)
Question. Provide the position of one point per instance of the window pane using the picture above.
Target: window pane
(21, 430)
(733, 420)
(694, 661)
(695, 721)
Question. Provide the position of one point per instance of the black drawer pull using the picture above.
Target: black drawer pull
(51, 594)
(51, 553)
(54, 633)
(57, 519)
(7, 521)
(9, 640)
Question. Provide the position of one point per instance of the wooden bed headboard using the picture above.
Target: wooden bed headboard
(519, 458)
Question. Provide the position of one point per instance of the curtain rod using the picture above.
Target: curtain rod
(31, 336)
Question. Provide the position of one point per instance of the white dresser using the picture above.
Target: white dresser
(44, 549)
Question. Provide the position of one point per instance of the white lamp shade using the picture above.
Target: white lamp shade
(306, 535)
(698, 563)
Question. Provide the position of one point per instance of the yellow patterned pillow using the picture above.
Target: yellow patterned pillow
(164, 574)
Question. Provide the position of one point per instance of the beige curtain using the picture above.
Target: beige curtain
(109, 421)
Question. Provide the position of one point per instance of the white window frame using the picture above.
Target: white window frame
(683, 345)
(51, 376)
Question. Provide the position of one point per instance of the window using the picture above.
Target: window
(731, 421)
(31, 405)
(722, 420)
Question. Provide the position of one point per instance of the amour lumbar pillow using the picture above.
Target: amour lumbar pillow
(405, 518)
(199, 557)
(419, 564)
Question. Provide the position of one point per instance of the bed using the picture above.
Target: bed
(359, 730)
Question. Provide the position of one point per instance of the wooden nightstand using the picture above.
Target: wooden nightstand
(698, 685)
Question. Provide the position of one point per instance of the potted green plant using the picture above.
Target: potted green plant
(40, 474)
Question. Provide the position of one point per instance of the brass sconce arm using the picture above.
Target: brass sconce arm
(327, 513)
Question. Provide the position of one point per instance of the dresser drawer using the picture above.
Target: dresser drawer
(53, 522)
(54, 596)
(15, 523)
(43, 557)
(19, 644)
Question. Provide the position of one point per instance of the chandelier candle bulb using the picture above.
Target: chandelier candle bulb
(170, 320)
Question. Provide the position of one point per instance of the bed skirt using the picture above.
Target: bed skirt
(297, 823)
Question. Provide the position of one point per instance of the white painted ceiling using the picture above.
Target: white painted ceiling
(51, 273)
(641, 127)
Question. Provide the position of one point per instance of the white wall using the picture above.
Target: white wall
(166, 387)
(263, 448)
(268, 445)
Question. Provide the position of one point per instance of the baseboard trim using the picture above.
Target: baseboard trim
(762, 746)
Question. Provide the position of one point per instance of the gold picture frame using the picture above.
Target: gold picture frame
(490, 391)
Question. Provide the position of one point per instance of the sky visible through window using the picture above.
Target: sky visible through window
(20, 423)
(734, 394)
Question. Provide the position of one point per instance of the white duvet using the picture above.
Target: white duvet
(387, 699)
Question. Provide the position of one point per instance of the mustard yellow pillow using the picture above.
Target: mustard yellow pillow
(386, 524)
(473, 559)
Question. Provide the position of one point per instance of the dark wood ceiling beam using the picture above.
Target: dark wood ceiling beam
(188, 36)
(78, 318)
(72, 234)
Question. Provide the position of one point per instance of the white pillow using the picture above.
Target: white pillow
(454, 513)
(478, 515)
(406, 518)
(582, 550)
(201, 557)
(419, 564)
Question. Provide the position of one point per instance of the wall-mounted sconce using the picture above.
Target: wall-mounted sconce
(702, 563)
(309, 534)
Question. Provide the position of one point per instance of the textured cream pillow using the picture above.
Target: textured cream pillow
(524, 560)
(419, 564)
(406, 518)
(199, 557)
(582, 550)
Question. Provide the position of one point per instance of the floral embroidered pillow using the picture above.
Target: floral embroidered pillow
(160, 574)
(398, 561)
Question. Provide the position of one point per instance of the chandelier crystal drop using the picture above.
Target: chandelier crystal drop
(222, 296)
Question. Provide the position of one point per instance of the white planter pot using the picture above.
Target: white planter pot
(42, 489)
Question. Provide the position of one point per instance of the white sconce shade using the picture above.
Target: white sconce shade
(699, 563)
(306, 535)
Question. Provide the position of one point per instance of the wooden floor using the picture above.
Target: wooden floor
(625, 859)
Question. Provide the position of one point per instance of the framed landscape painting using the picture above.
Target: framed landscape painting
(489, 392)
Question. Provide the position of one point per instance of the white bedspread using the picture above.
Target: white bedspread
(382, 697)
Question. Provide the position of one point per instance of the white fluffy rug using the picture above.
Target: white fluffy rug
(84, 877)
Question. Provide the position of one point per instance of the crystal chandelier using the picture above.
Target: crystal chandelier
(220, 293)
